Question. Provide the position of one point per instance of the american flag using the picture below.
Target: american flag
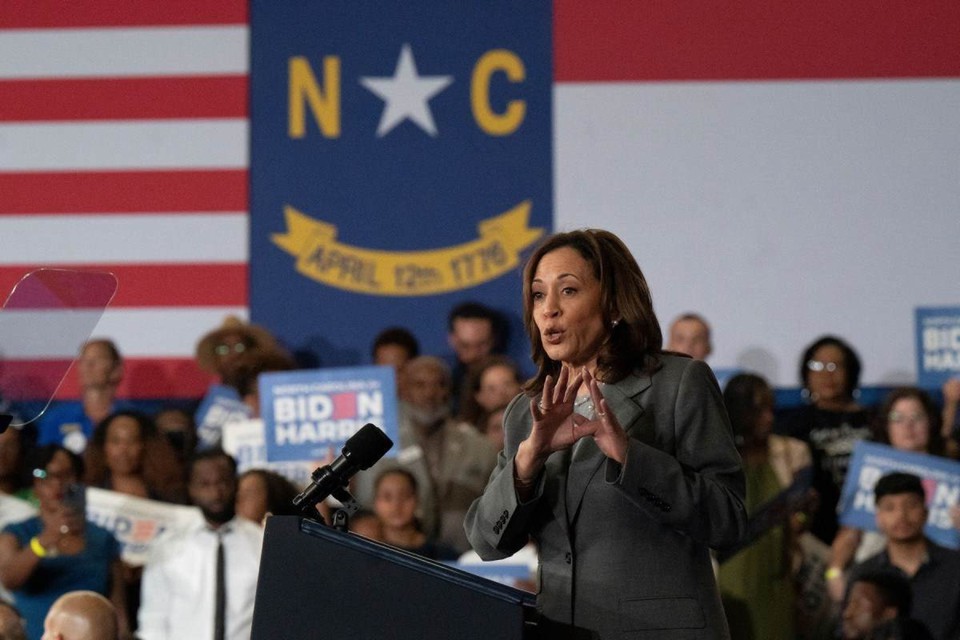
(123, 148)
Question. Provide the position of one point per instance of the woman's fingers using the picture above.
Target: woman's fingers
(572, 388)
(535, 410)
(546, 398)
(560, 391)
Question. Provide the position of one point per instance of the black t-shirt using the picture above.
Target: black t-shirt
(831, 436)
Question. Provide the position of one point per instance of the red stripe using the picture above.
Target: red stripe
(39, 14)
(149, 378)
(56, 289)
(123, 191)
(159, 285)
(612, 40)
(124, 98)
(31, 380)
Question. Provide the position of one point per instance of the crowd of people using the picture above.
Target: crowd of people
(621, 457)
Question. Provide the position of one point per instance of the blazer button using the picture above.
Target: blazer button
(568, 557)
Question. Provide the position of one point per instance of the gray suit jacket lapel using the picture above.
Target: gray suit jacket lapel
(587, 457)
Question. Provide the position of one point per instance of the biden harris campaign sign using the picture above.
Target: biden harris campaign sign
(938, 345)
(872, 461)
(309, 415)
(400, 164)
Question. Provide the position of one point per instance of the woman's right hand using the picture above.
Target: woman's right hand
(554, 425)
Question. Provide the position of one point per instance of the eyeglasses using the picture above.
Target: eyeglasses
(225, 349)
(42, 475)
(818, 365)
(896, 417)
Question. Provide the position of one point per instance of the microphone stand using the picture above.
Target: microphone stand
(340, 518)
(349, 506)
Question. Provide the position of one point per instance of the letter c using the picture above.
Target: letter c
(496, 124)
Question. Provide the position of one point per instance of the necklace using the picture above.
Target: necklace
(584, 406)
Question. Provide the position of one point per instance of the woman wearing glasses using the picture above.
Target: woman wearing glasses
(58, 551)
(908, 421)
(831, 422)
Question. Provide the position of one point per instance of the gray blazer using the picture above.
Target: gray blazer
(625, 550)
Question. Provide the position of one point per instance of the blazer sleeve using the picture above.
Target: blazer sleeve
(497, 523)
(699, 489)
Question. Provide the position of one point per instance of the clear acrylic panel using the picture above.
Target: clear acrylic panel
(47, 317)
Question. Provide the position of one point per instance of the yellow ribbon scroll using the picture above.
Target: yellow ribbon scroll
(322, 258)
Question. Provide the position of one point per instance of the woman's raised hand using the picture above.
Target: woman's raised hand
(553, 417)
(555, 425)
(606, 430)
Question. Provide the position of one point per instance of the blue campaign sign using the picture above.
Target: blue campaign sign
(401, 163)
(221, 405)
(309, 415)
(938, 345)
(871, 461)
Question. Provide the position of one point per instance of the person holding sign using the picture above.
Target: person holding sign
(933, 571)
(951, 425)
(58, 551)
(910, 423)
(619, 460)
(128, 455)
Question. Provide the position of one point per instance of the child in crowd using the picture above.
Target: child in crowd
(395, 503)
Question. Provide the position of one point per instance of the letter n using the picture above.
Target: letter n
(304, 92)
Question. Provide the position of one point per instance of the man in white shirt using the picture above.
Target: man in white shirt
(180, 582)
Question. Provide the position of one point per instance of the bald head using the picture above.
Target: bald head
(81, 615)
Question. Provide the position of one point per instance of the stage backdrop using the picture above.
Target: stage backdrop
(787, 170)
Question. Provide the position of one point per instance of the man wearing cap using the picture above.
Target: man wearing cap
(933, 571)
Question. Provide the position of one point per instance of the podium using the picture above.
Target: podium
(318, 582)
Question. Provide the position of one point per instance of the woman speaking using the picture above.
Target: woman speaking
(619, 461)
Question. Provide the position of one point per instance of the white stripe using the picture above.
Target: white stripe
(136, 238)
(138, 333)
(780, 210)
(144, 144)
(162, 332)
(47, 333)
(48, 53)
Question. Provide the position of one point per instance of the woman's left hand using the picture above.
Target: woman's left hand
(610, 437)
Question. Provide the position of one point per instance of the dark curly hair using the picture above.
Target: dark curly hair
(160, 468)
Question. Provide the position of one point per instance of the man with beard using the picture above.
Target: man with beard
(451, 460)
(202, 583)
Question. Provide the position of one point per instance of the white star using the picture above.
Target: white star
(406, 95)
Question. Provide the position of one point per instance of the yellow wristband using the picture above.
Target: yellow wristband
(832, 573)
(37, 548)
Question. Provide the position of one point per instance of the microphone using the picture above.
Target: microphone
(360, 451)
